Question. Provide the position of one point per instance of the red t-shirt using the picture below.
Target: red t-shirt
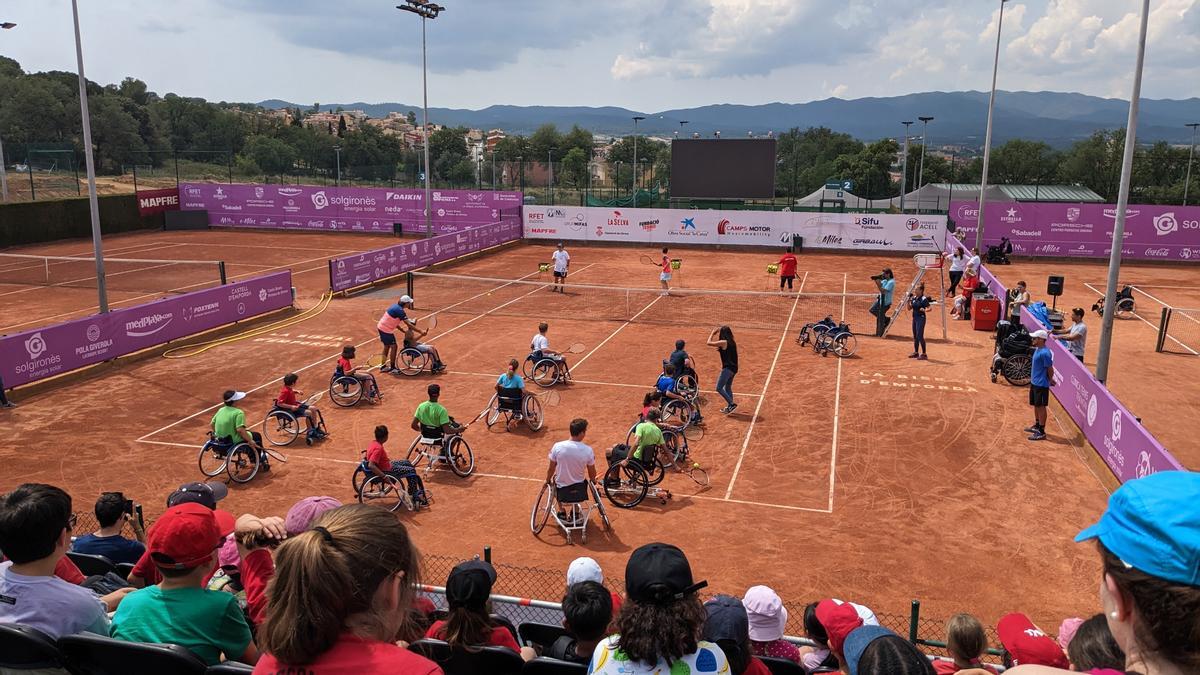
(666, 265)
(287, 396)
(257, 568)
(68, 571)
(377, 455)
(943, 667)
(787, 265)
(352, 655)
(756, 667)
(344, 365)
(146, 569)
(500, 637)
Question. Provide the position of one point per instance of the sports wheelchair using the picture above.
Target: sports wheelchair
(627, 481)
(1014, 354)
(281, 426)
(513, 405)
(674, 453)
(434, 446)
(827, 336)
(1124, 305)
(570, 507)
(389, 490)
(411, 361)
(238, 459)
(686, 384)
(998, 254)
(546, 371)
(347, 390)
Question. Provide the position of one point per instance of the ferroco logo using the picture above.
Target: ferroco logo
(648, 225)
(319, 200)
(1157, 253)
(1165, 224)
(148, 325)
(35, 345)
(1116, 425)
(618, 220)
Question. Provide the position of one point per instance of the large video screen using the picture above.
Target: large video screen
(742, 168)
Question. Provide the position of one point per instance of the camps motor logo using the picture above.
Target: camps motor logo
(1166, 224)
(722, 225)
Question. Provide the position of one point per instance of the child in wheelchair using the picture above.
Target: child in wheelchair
(228, 429)
(668, 386)
(289, 399)
(1124, 302)
(345, 366)
(510, 391)
(377, 462)
(412, 336)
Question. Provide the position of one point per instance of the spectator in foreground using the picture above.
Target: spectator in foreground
(874, 650)
(967, 643)
(1067, 630)
(661, 622)
(768, 618)
(587, 569)
(145, 572)
(820, 656)
(35, 532)
(587, 611)
(839, 619)
(469, 624)
(1149, 542)
(112, 512)
(1093, 647)
(179, 609)
(728, 626)
(341, 598)
(1025, 643)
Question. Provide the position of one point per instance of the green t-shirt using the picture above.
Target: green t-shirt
(227, 420)
(432, 414)
(208, 623)
(647, 434)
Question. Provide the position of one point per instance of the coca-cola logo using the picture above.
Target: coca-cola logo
(1157, 253)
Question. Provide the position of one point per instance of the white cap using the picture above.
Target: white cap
(406, 300)
(584, 569)
(1039, 334)
(237, 396)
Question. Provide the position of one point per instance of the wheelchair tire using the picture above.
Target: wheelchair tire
(545, 373)
(346, 391)
(411, 362)
(629, 437)
(677, 413)
(386, 491)
(493, 413)
(211, 463)
(656, 472)
(541, 510)
(844, 344)
(600, 507)
(625, 485)
(686, 385)
(281, 427)
(357, 478)
(461, 460)
(243, 464)
(1018, 370)
(535, 414)
(677, 447)
(412, 455)
(1124, 309)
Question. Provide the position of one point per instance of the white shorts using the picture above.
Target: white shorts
(665, 276)
(423, 348)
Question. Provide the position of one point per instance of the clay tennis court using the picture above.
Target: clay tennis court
(875, 477)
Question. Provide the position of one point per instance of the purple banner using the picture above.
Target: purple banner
(45, 352)
(1152, 232)
(365, 268)
(310, 207)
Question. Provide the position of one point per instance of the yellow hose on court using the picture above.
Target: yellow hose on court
(201, 347)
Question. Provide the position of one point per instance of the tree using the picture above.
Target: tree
(370, 154)
(411, 117)
(341, 132)
(509, 148)
(270, 154)
(574, 168)
(447, 146)
(869, 169)
(543, 140)
(806, 158)
(316, 108)
(1020, 162)
(578, 138)
(1096, 162)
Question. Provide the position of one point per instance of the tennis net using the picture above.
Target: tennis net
(1179, 331)
(457, 294)
(120, 274)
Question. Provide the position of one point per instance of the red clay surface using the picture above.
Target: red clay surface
(875, 478)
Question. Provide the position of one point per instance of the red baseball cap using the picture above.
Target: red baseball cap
(1027, 644)
(185, 536)
(839, 620)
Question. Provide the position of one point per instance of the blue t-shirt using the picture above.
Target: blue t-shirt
(116, 548)
(918, 304)
(665, 383)
(513, 381)
(397, 312)
(888, 285)
(1042, 359)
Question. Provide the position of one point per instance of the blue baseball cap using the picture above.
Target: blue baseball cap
(858, 641)
(1153, 525)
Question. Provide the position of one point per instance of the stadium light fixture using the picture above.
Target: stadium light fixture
(987, 136)
(8, 24)
(1191, 151)
(425, 10)
(636, 119)
(924, 142)
(904, 166)
(94, 204)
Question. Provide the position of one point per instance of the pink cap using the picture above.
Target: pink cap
(766, 612)
(304, 512)
(1067, 630)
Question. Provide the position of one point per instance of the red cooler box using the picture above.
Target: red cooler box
(985, 312)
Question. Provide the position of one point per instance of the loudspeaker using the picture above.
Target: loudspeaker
(951, 226)
(1054, 286)
(797, 243)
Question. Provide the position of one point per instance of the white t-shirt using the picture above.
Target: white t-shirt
(974, 263)
(708, 659)
(561, 258)
(50, 604)
(958, 263)
(539, 343)
(1076, 346)
(868, 617)
(573, 459)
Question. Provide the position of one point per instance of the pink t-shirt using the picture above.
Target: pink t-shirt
(779, 649)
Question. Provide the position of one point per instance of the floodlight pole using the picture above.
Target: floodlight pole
(425, 10)
(636, 119)
(924, 144)
(97, 246)
(3, 171)
(1118, 238)
(904, 167)
(1186, 181)
(987, 137)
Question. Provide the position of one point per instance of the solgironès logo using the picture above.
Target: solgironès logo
(1165, 224)
(35, 345)
(319, 200)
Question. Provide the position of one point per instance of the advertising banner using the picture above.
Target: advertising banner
(848, 231)
(45, 352)
(371, 266)
(157, 201)
(1152, 232)
(355, 209)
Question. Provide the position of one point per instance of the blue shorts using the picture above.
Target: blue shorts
(388, 339)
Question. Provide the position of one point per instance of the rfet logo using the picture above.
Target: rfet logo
(535, 217)
(968, 211)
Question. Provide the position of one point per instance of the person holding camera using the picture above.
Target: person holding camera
(113, 511)
(885, 282)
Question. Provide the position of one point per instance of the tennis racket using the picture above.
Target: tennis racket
(275, 454)
(431, 321)
(548, 397)
(576, 348)
(693, 432)
(314, 398)
(648, 260)
(375, 360)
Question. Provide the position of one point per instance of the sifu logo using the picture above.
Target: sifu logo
(35, 345)
(319, 200)
(1166, 224)
(869, 220)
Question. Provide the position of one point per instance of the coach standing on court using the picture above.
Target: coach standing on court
(886, 283)
(787, 269)
(562, 260)
(1039, 384)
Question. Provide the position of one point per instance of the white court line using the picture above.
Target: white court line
(614, 333)
(837, 406)
(1183, 288)
(27, 264)
(599, 384)
(1139, 318)
(750, 503)
(754, 420)
(273, 248)
(1164, 304)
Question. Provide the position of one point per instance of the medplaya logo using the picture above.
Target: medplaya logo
(40, 361)
(149, 324)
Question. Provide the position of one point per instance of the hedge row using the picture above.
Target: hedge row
(36, 222)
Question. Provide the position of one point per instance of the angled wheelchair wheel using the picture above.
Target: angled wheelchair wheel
(281, 427)
(462, 461)
(545, 373)
(411, 362)
(675, 448)
(535, 415)
(356, 479)
(686, 385)
(1018, 370)
(243, 464)
(527, 367)
(600, 506)
(493, 411)
(655, 472)
(386, 491)
(541, 509)
(212, 459)
(345, 391)
(1125, 309)
(629, 437)
(625, 485)
(677, 413)
(844, 344)
(414, 455)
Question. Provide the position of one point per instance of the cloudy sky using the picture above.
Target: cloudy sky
(646, 55)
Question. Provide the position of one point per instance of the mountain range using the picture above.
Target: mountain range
(960, 117)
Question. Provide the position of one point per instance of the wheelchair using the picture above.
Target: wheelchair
(239, 460)
(282, 426)
(575, 502)
(1014, 354)
(674, 453)
(1124, 305)
(347, 390)
(546, 371)
(828, 336)
(435, 447)
(686, 384)
(513, 405)
(411, 361)
(388, 490)
(627, 482)
(998, 254)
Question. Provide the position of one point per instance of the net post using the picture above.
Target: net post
(487, 554)
(221, 271)
(408, 284)
(1164, 323)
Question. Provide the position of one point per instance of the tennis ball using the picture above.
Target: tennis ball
(695, 465)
